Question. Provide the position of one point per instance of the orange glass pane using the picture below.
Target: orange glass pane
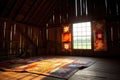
(66, 37)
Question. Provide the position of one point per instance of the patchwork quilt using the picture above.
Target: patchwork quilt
(60, 67)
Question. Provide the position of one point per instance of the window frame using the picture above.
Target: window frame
(84, 36)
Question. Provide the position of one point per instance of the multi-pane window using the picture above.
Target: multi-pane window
(82, 35)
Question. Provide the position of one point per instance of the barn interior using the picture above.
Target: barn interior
(83, 29)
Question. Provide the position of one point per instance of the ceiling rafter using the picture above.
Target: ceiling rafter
(37, 10)
(8, 8)
(33, 9)
(19, 10)
(25, 8)
(14, 10)
(42, 12)
(30, 9)
(47, 14)
(2, 5)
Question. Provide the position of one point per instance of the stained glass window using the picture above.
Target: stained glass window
(99, 36)
(66, 37)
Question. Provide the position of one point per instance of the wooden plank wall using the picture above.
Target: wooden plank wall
(54, 45)
(19, 39)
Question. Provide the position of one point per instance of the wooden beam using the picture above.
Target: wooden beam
(48, 13)
(39, 7)
(30, 9)
(8, 8)
(18, 10)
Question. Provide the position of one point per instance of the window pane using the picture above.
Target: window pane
(82, 35)
(84, 29)
(75, 33)
(88, 33)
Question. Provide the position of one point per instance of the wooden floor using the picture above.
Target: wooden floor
(102, 69)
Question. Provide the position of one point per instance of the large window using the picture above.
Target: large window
(82, 35)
